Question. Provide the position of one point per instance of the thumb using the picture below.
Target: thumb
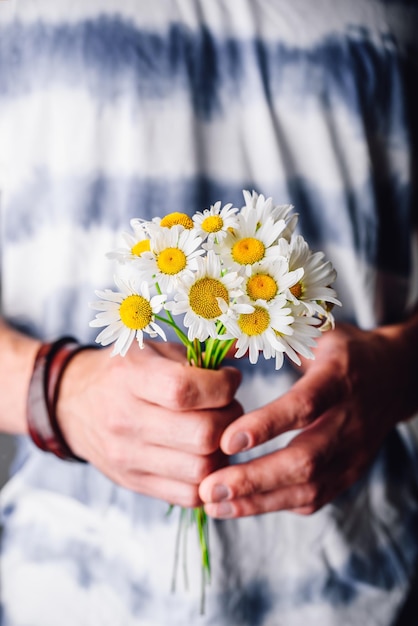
(319, 389)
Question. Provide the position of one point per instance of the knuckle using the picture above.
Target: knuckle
(307, 467)
(247, 487)
(249, 484)
(132, 481)
(206, 436)
(189, 499)
(266, 429)
(312, 496)
(200, 468)
(307, 510)
(309, 499)
(117, 424)
(179, 391)
(116, 456)
(306, 410)
(228, 388)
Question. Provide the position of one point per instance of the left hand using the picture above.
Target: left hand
(349, 398)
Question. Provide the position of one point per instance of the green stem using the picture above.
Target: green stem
(221, 351)
(182, 336)
(186, 525)
(198, 351)
(192, 355)
(210, 344)
(177, 549)
(201, 522)
(203, 592)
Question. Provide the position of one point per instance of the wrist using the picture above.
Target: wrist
(50, 364)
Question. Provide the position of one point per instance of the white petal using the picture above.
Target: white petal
(124, 341)
(158, 330)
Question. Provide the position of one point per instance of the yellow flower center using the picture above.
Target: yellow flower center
(248, 251)
(203, 294)
(140, 247)
(135, 312)
(212, 224)
(171, 261)
(254, 323)
(297, 290)
(175, 219)
(261, 286)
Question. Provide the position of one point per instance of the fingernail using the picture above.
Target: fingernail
(224, 509)
(239, 442)
(220, 492)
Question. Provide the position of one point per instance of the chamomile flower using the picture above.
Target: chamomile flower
(206, 297)
(127, 315)
(256, 332)
(326, 318)
(136, 243)
(213, 224)
(265, 209)
(313, 289)
(249, 243)
(236, 277)
(174, 219)
(305, 331)
(173, 256)
(270, 279)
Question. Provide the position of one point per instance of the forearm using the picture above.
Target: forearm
(17, 356)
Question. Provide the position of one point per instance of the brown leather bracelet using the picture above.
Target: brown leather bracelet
(50, 363)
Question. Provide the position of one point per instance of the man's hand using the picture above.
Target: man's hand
(149, 421)
(349, 398)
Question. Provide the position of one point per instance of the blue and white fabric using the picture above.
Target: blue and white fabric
(113, 109)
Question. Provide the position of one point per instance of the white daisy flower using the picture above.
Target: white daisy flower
(173, 256)
(257, 331)
(174, 219)
(213, 224)
(206, 297)
(135, 244)
(313, 289)
(326, 318)
(305, 331)
(249, 243)
(127, 315)
(264, 208)
(270, 279)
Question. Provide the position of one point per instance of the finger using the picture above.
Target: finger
(297, 498)
(195, 432)
(305, 499)
(172, 491)
(280, 469)
(302, 462)
(317, 391)
(325, 468)
(179, 386)
(164, 462)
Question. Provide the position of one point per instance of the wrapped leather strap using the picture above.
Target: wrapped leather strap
(50, 363)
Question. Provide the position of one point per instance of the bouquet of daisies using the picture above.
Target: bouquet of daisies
(235, 277)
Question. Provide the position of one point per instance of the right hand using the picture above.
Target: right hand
(148, 421)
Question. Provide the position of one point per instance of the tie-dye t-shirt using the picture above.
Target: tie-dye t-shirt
(113, 109)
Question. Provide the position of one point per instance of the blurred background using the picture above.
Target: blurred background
(7, 450)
